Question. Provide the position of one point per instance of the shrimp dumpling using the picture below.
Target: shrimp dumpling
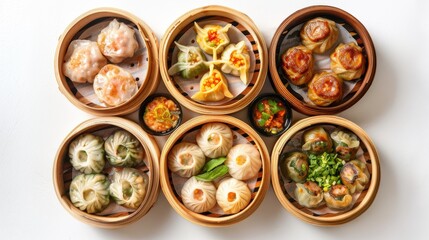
(90, 192)
(186, 159)
(338, 197)
(348, 61)
(243, 161)
(319, 34)
(308, 194)
(198, 196)
(316, 141)
(128, 187)
(355, 175)
(123, 149)
(215, 139)
(86, 153)
(233, 195)
(346, 144)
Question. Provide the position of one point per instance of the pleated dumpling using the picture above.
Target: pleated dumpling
(186, 159)
(117, 41)
(128, 187)
(213, 87)
(233, 195)
(215, 139)
(83, 60)
(243, 161)
(319, 34)
(236, 60)
(212, 39)
(123, 149)
(86, 153)
(347, 61)
(316, 141)
(295, 166)
(355, 175)
(191, 62)
(90, 192)
(308, 194)
(198, 196)
(325, 88)
(346, 144)
(298, 63)
(338, 197)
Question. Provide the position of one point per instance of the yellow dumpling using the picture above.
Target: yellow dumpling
(213, 87)
(212, 39)
(237, 61)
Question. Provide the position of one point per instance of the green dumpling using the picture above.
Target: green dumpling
(86, 153)
(90, 192)
(128, 187)
(123, 149)
(191, 62)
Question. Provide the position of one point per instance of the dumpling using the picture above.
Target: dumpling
(123, 149)
(215, 139)
(212, 39)
(213, 87)
(90, 192)
(325, 88)
(86, 153)
(355, 175)
(237, 61)
(233, 195)
(338, 197)
(297, 63)
(186, 159)
(243, 161)
(198, 196)
(316, 141)
(191, 62)
(346, 144)
(295, 166)
(347, 61)
(308, 194)
(128, 187)
(113, 85)
(83, 61)
(319, 34)
(117, 41)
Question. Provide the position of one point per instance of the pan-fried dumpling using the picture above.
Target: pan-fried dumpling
(198, 196)
(90, 192)
(86, 153)
(237, 61)
(319, 34)
(338, 197)
(186, 159)
(347, 61)
(191, 62)
(123, 149)
(113, 85)
(117, 41)
(316, 141)
(355, 175)
(346, 144)
(213, 87)
(243, 161)
(215, 139)
(297, 63)
(83, 61)
(325, 88)
(212, 39)
(128, 187)
(295, 166)
(308, 194)
(233, 195)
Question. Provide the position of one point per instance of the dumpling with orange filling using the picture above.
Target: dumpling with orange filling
(212, 39)
(325, 88)
(347, 61)
(237, 61)
(319, 34)
(298, 64)
(213, 87)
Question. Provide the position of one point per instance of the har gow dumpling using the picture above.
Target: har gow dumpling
(191, 62)
(86, 153)
(237, 61)
(213, 87)
(215, 139)
(198, 196)
(316, 141)
(233, 195)
(355, 175)
(338, 197)
(186, 159)
(308, 194)
(243, 161)
(123, 149)
(346, 144)
(128, 187)
(212, 39)
(90, 192)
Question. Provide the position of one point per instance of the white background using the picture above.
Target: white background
(35, 118)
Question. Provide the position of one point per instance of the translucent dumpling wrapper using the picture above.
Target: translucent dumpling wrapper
(243, 161)
(295, 166)
(233, 195)
(347, 61)
(186, 159)
(191, 62)
(123, 149)
(308, 194)
(346, 144)
(215, 139)
(83, 60)
(198, 196)
(316, 141)
(212, 39)
(113, 85)
(90, 192)
(355, 176)
(236, 60)
(338, 198)
(319, 34)
(213, 87)
(117, 41)
(128, 187)
(86, 153)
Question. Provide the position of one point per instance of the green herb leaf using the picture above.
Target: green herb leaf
(265, 116)
(217, 172)
(210, 165)
(261, 107)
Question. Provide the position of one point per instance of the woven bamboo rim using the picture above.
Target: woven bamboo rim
(365, 40)
(362, 206)
(148, 86)
(197, 218)
(249, 93)
(152, 152)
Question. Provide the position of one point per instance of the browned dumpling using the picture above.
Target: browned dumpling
(319, 34)
(325, 88)
(347, 61)
(298, 64)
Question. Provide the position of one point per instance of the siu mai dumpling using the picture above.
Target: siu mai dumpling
(113, 85)
(123, 149)
(295, 166)
(83, 61)
(117, 41)
(297, 63)
(233, 195)
(347, 61)
(355, 175)
(128, 187)
(346, 144)
(198, 196)
(236, 60)
(90, 192)
(243, 161)
(215, 139)
(319, 34)
(338, 197)
(316, 141)
(213, 87)
(325, 88)
(86, 153)
(186, 159)
(191, 62)
(308, 194)
(212, 39)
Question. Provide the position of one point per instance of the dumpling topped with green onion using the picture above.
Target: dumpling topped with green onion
(86, 153)
(90, 192)
(128, 187)
(123, 149)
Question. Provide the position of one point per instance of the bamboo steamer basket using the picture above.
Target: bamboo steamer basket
(214, 219)
(356, 30)
(240, 23)
(62, 173)
(364, 200)
(143, 66)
